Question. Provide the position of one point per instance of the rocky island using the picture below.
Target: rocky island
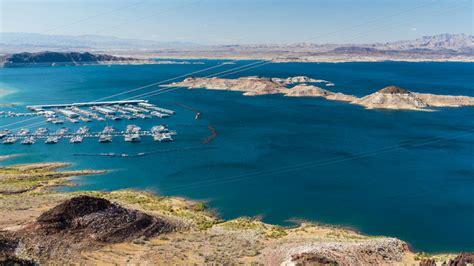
(391, 97)
(132, 227)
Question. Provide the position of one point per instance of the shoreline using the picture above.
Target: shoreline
(303, 236)
(334, 61)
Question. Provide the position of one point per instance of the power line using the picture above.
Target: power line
(243, 68)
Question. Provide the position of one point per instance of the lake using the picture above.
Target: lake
(404, 174)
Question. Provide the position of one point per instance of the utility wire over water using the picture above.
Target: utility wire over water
(311, 164)
(237, 69)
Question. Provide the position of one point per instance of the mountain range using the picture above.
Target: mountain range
(441, 47)
(20, 42)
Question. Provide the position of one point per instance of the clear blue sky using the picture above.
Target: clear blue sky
(241, 21)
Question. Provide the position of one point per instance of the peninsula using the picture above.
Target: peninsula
(132, 227)
(391, 97)
(48, 58)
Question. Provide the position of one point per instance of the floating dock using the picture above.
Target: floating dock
(131, 135)
(85, 104)
(90, 111)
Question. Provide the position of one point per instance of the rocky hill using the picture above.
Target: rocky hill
(393, 97)
(63, 58)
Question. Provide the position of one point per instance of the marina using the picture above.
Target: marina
(132, 133)
(89, 111)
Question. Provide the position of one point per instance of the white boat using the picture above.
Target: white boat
(10, 140)
(72, 120)
(113, 117)
(158, 114)
(84, 119)
(29, 141)
(23, 132)
(132, 137)
(108, 130)
(41, 131)
(52, 140)
(62, 131)
(159, 129)
(133, 129)
(83, 130)
(162, 137)
(4, 133)
(57, 121)
(76, 139)
(105, 138)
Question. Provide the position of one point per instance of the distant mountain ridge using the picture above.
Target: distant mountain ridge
(42, 41)
(456, 42)
(446, 41)
(441, 47)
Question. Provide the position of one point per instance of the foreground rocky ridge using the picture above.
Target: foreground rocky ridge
(391, 97)
(131, 227)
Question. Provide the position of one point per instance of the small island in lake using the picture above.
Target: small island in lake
(391, 97)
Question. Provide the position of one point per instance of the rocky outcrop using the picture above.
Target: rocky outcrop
(367, 252)
(99, 220)
(465, 258)
(251, 86)
(434, 100)
(83, 223)
(314, 91)
(393, 97)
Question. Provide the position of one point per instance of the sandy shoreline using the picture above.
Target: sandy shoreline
(297, 58)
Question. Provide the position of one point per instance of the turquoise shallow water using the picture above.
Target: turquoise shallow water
(397, 173)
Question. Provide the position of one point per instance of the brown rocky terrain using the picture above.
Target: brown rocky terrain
(251, 86)
(391, 97)
(314, 91)
(82, 223)
(130, 227)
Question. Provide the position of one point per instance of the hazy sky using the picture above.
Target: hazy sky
(241, 21)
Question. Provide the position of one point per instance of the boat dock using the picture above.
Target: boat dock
(131, 134)
(94, 111)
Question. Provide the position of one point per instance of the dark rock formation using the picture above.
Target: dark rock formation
(394, 90)
(99, 219)
(463, 259)
(312, 259)
(57, 58)
(427, 262)
(79, 224)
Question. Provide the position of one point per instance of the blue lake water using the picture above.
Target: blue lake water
(397, 173)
